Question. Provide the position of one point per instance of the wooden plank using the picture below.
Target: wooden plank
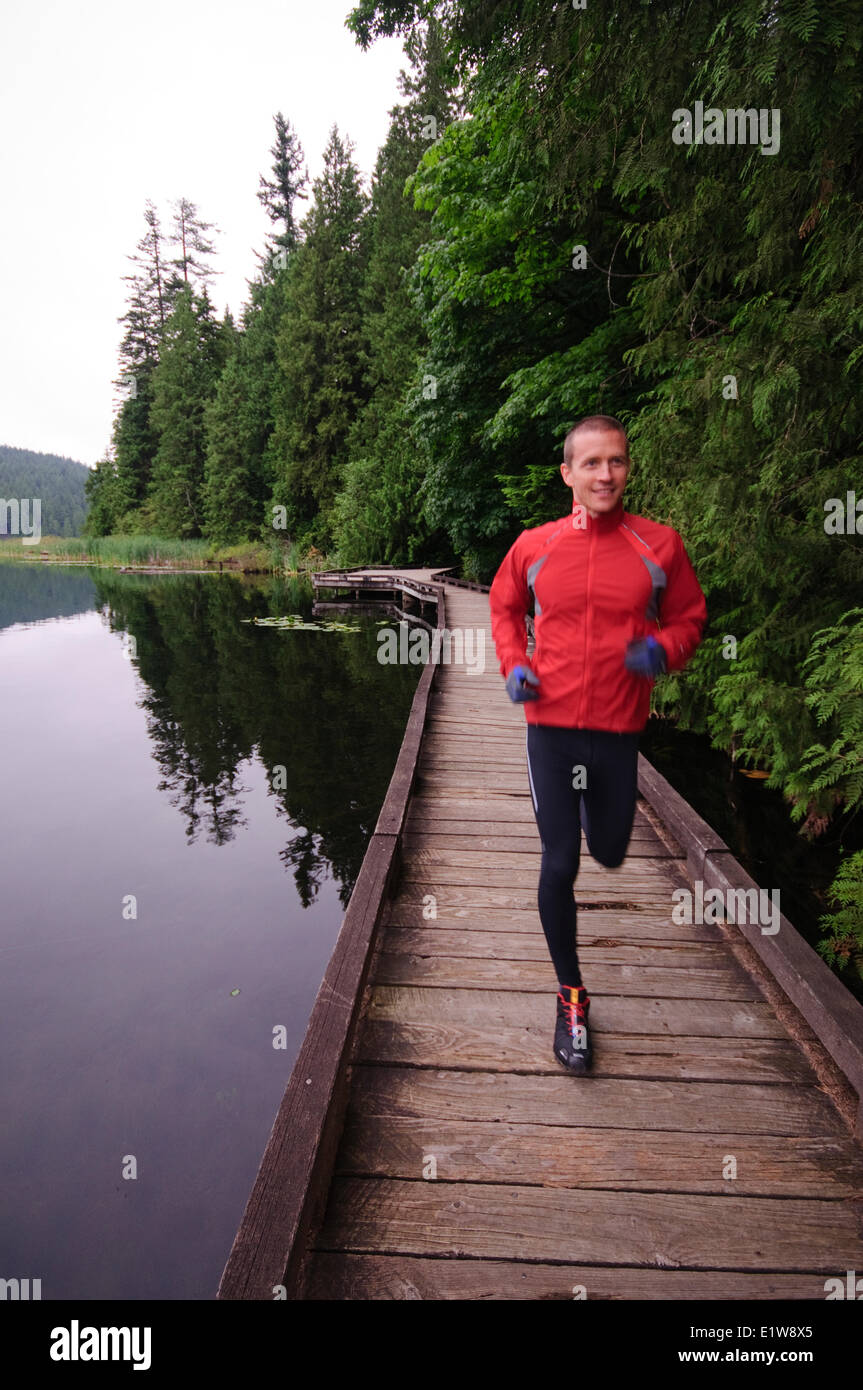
(349, 1277)
(665, 1230)
(504, 818)
(434, 939)
(456, 709)
(640, 847)
(437, 821)
(643, 1019)
(722, 980)
(447, 727)
(596, 926)
(604, 913)
(501, 809)
(457, 737)
(478, 709)
(617, 1160)
(475, 724)
(631, 1104)
(422, 1039)
(495, 779)
(508, 862)
(643, 877)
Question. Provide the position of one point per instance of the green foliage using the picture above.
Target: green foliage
(844, 926)
(60, 484)
(318, 349)
(191, 357)
(378, 516)
(831, 770)
(228, 491)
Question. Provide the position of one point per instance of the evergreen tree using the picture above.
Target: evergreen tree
(318, 350)
(192, 357)
(257, 372)
(102, 499)
(134, 440)
(378, 514)
(229, 501)
(279, 193)
(191, 266)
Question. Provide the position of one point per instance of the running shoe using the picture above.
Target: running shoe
(571, 1038)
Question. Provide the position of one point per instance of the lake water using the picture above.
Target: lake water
(187, 798)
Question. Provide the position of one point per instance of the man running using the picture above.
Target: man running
(616, 603)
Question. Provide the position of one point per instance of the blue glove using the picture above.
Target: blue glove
(518, 684)
(645, 657)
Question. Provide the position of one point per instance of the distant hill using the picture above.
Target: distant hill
(58, 482)
(37, 593)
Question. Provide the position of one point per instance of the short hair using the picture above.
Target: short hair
(594, 422)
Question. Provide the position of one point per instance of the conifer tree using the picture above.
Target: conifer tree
(318, 349)
(290, 178)
(191, 266)
(191, 360)
(258, 378)
(102, 499)
(378, 514)
(134, 440)
(231, 508)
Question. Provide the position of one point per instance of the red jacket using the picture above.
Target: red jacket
(597, 583)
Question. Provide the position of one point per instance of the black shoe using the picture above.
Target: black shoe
(571, 1038)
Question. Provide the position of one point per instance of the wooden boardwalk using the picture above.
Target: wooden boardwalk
(709, 1154)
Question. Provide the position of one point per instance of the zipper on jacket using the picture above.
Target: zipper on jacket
(588, 618)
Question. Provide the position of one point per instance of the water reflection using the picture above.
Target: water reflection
(220, 691)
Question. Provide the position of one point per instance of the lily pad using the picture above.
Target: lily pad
(297, 623)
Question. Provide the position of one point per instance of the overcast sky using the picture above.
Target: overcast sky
(106, 103)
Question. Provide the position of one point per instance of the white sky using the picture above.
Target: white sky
(105, 103)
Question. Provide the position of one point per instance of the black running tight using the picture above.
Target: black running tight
(578, 777)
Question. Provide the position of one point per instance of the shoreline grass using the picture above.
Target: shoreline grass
(160, 552)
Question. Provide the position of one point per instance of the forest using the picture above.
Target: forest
(59, 483)
(540, 242)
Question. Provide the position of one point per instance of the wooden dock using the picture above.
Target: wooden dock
(429, 1146)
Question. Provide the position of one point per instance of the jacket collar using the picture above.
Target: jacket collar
(607, 521)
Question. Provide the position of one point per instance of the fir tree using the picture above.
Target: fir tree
(191, 266)
(134, 440)
(318, 349)
(378, 514)
(230, 506)
(192, 357)
(279, 193)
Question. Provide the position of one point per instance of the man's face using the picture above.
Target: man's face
(597, 469)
